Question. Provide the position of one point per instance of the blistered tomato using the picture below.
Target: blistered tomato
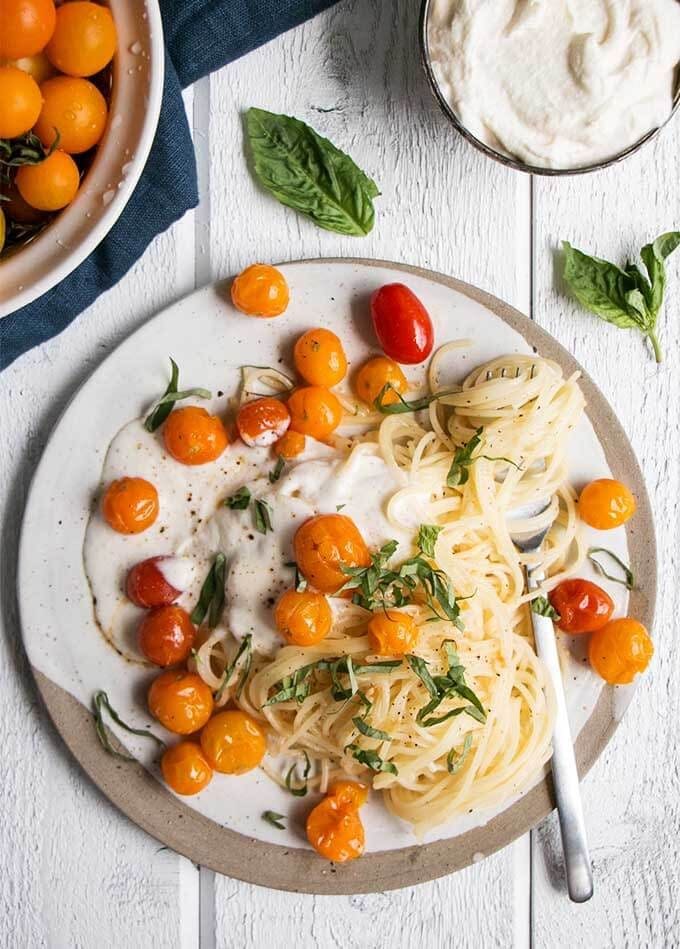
(262, 421)
(146, 585)
(303, 617)
(402, 324)
(335, 830)
(25, 27)
(290, 445)
(320, 358)
(84, 39)
(314, 411)
(324, 544)
(130, 505)
(606, 503)
(73, 109)
(20, 101)
(181, 701)
(194, 437)
(185, 768)
(620, 650)
(260, 290)
(392, 633)
(233, 742)
(166, 635)
(582, 605)
(374, 375)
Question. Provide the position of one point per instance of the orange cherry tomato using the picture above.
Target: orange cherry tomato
(582, 605)
(314, 411)
(185, 768)
(181, 701)
(606, 503)
(52, 184)
(352, 793)
(84, 38)
(166, 635)
(392, 633)
(335, 830)
(402, 324)
(20, 102)
(37, 66)
(325, 543)
(290, 445)
(260, 290)
(194, 437)
(374, 375)
(620, 650)
(130, 505)
(320, 358)
(146, 585)
(76, 110)
(262, 421)
(303, 618)
(233, 742)
(25, 26)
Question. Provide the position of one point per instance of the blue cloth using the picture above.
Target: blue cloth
(200, 36)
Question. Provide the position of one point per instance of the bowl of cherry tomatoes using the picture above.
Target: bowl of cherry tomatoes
(81, 85)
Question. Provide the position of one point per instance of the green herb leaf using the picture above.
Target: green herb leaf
(452, 685)
(25, 150)
(427, 538)
(419, 666)
(339, 507)
(239, 501)
(309, 174)
(455, 762)
(623, 297)
(628, 580)
(274, 819)
(369, 731)
(244, 648)
(276, 473)
(263, 516)
(101, 704)
(166, 403)
(401, 406)
(302, 789)
(211, 596)
(371, 759)
(542, 606)
(300, 582)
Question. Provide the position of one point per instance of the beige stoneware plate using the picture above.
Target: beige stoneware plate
(221, 828)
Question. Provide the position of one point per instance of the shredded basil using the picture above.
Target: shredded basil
(244, 649)
(463, 457)
(298, 686)
(371, 759)
(239, 501)
(543, 606)
(302, 790)
(427, 538)
(276, 473)
(628, 580)
(369, 731)
(455, 762)
(165, 404)
(211, 597)
(401, 406)
(263, 516)
(274, 819)
(449, 686)
(100, 703)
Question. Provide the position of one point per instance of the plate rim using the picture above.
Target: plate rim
(144, 800)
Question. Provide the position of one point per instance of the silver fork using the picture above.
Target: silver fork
(565, 775)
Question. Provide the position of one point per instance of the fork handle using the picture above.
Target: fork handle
(565, 775)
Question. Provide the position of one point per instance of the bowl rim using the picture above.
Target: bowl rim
(114, 209)
(508, 160)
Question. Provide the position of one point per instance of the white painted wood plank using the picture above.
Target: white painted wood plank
(354, 74)
(632, 798)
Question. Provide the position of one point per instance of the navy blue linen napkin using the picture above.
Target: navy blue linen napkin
(200, 36)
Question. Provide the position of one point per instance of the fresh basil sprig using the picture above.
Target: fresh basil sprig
(543, 607)
(309, 174)
(211, 598)
(625, 297)
(101, 704)
(166, 403)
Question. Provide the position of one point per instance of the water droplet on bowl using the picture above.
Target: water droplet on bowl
(116, 121)
(135, 48)
(108, 197)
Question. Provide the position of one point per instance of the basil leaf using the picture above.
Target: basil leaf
(245, 647)
(309, 174)
(213, 587)
(263, 518)
(629, 579)
(542, 606)
(277, 471)
(419, 666)
(653, 257)
(371, 759)
(427, 538)
(401, 406)
(455, 762)
(166, 403)
(598, 285)
(100, 702)
(274, 819)
(369, 731)
(239, 501)
(217, 603)
(302, 790)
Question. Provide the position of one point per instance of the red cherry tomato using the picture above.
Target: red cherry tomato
(166, 635)
(402, 324)
(582, 605)
(146, 585)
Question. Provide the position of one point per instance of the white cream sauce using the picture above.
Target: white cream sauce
(557, 83)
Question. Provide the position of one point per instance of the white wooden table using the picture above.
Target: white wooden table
(73, 871)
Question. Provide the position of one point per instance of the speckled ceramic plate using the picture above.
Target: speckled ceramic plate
(222, 827)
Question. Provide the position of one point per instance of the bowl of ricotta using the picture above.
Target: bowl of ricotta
(554, 86)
